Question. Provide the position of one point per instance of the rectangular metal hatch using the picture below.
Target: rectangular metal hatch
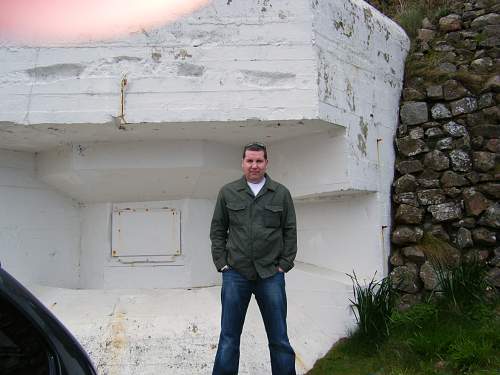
(145, 231)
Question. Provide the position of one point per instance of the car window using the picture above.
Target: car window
(23, 350)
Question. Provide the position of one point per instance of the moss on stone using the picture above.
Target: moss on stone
(438, 250)
(497, 168)
(427, 67)
(481, 37)
(473, 82)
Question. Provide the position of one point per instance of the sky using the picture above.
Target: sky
(74, 20)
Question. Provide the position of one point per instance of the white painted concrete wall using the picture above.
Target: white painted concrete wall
(140, 171)
(312, 166)
(39, 228)
(319, 81)
(194, 268)
(241, 59)
(360, 68)
(328, 237)
(340, 62)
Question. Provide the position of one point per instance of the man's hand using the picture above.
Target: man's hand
(280, 269)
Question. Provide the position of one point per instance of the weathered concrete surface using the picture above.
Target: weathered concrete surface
(224, 62)
(279, 71)
(175, 331)
(272, 60)
(39, 228)
(111, 121)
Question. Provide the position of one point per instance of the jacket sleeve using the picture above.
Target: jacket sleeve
(289, 252)
(218, 232)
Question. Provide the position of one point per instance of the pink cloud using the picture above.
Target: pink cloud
(64, 20)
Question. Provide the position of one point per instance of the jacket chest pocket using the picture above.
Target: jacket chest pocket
(272, 215)
(237, 213)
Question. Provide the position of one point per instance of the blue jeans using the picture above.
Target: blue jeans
(271, 298)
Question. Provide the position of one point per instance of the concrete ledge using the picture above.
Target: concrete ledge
(175, 331)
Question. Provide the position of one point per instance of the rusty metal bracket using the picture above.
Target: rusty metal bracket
(123, 85)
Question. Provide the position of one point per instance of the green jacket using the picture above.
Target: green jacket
(254, 235)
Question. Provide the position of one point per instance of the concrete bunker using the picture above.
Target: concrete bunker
(106, 187)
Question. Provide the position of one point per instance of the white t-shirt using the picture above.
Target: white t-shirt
(256, 187)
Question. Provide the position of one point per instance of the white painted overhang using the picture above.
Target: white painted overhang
(327, 74)
(44, 137)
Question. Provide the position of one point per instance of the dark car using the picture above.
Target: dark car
(32, 340)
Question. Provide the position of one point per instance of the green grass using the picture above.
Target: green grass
(373, 305)
(410, 18)
(463, 286)
(410, 13)
(426, 339)
(455, 331)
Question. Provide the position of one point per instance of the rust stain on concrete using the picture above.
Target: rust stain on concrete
(117, 342)
(299, 361)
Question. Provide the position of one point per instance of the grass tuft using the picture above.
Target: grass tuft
(410, 17)
(462, 286)
(410, 13)
(373, 305)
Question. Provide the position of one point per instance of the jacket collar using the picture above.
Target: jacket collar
(269, 185)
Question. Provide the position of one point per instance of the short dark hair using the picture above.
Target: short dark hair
(255, 146)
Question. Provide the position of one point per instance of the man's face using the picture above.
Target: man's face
(254, 165)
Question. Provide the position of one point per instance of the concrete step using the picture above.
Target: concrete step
(175, 331)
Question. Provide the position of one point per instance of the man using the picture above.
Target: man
(254, 242)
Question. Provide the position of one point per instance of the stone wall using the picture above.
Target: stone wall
(446, 186)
